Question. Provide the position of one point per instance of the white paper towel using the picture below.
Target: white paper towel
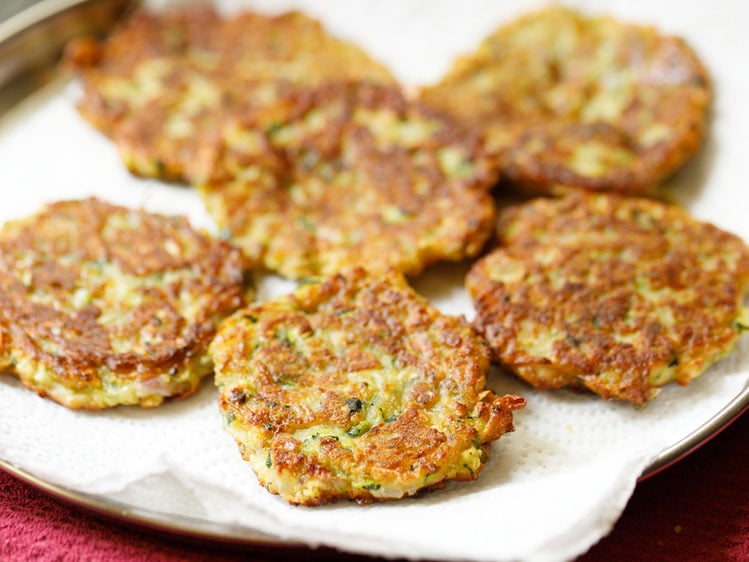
(550, 489)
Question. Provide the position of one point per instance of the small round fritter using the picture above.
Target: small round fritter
(102, 305)
(160, 84)
(617, 295)
(356, 388)
(569, 101)
(350, 174)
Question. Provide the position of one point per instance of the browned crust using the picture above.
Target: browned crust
(605, 293)
(243, 58)
(281, 368)
(45, 261)
(143, 36)
(319, 202)
(552, 74)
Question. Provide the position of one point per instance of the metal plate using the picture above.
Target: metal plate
(30, 46)
(31, 41)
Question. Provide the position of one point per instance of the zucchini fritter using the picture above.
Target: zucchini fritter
(349, 174)
(617, 295)
(102, 305)
(356, 388)
(160, 84)
(569, 101)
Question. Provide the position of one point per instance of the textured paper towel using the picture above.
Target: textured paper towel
(550, 489)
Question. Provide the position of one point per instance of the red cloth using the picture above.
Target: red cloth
(695, 510)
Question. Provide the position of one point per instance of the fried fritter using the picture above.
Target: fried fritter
(350, 174)
(160, 84)
(617, 295)
(356, 388)
(102, 305)
(569, 101)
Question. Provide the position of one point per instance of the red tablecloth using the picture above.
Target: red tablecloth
(695, 510)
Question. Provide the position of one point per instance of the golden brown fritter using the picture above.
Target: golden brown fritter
(569, 101)
(617, 295)
(356, 388)
(350, 174)
(102, 305)
(160, 84)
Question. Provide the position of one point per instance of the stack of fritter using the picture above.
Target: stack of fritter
(313, 161)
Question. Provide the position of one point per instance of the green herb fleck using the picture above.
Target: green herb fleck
(273, 129)
(573, 341)
(357, 430)
(310, 159)
(343, 311)
(306, 225)
(354, 405)
(283, 336)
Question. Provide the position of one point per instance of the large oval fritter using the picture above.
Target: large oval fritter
(617, 295)
(350, 174)
(161, 83)
(356, 388)
(102, 305)
(573, 101)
